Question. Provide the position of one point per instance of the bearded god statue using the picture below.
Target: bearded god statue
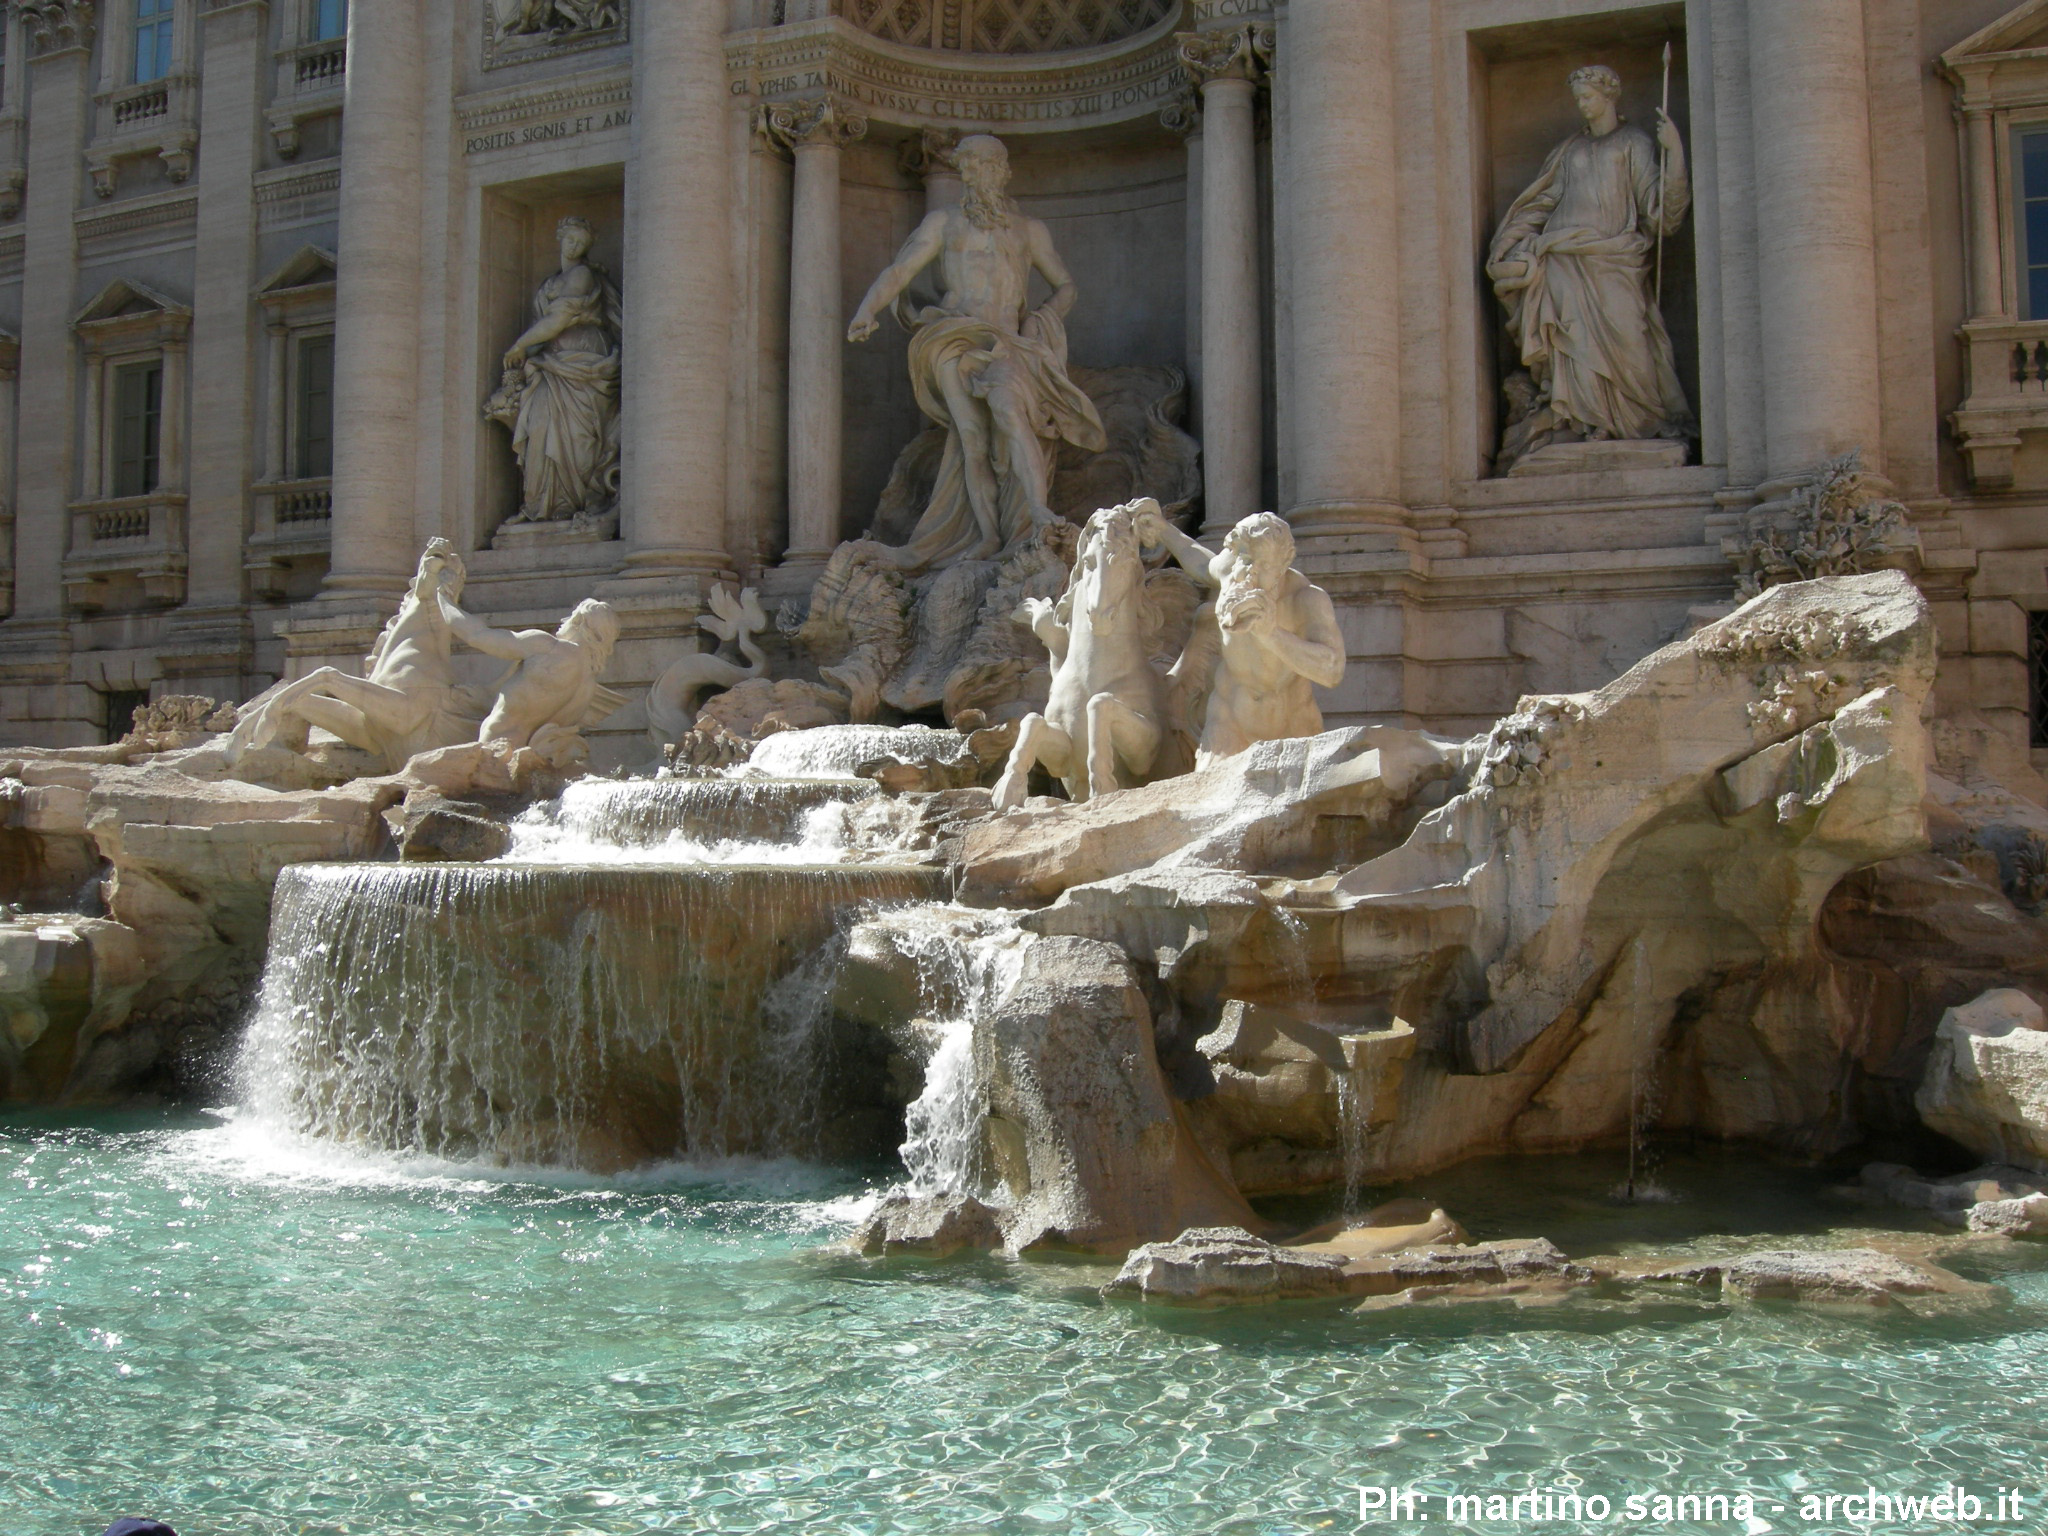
(1572, 265)
(559, 394)
(989, 373)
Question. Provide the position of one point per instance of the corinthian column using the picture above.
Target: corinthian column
(679, 294)
(814, 132)
(1226, 67)
(1341, 199)
(1816, 232)
(379, 274)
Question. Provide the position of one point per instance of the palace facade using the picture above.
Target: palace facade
(269, 274)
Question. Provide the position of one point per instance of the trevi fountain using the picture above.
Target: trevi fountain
(956, 1031)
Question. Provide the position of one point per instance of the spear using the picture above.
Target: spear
(1663, 170)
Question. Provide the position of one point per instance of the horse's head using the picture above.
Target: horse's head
(1109, 567)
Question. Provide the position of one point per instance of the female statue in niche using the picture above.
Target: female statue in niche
(1572, 264)
(559, 395)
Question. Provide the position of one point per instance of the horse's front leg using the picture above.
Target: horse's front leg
(1117, 731)
(1038, 740)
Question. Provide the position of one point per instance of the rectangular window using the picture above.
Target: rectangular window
(330, 20)
(121, 704)
(138, 427)
(2037, 675)
(153, 25)
(316, 407)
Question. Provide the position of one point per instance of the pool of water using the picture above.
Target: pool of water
(239, 1337)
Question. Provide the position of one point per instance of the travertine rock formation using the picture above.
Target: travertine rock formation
(1987, 1080)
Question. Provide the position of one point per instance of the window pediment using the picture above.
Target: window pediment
(126, 310)
(308, 268)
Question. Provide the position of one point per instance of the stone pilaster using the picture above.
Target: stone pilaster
(1342, 205)
(814, 131)
(679, 295)
(211, 631)
(380, 272)
(1816, 230)
(1226, 67)
(60, 107)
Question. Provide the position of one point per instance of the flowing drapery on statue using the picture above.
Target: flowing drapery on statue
(993, 377)
(1572, 264)
(559, 396)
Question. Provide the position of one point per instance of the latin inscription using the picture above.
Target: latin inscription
(542, 133)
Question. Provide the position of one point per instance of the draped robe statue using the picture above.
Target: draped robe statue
(559, 395)
(1572, 265)
(992, 376)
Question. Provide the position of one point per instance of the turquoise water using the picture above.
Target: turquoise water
(200, 1325)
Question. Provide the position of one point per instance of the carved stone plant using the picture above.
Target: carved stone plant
(1836, 525)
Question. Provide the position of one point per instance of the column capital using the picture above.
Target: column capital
(55, 25)
(1183, 114)
(930, 153)
(812, 121)
(1242, 53)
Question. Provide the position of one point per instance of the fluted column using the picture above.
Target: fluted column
(1342, 198)
(379, 277)
(814, 132)
(679, 294)
(1226, 67)
(1816, 231)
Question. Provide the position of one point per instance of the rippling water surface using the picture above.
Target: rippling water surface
(200, 1325)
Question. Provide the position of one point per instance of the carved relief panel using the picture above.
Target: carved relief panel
(520, 31)
(1004, 26)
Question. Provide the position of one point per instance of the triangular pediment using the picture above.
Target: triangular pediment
(307, 267)
(2021, 29)
(124, 297)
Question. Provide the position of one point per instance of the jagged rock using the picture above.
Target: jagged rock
(1987, 1080)
(1081, 1144)
(931, 826)
(1863, 1276)
(1226, 1264)
(1509, 1261)
(2026, 1216)
(64, 981)
(848, 751)
(183, 861)
(937, 1225)
(430, 826)
(1304, 806)
(1950, 1199)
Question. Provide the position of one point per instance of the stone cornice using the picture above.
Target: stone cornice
(920, 88)
(485, 110)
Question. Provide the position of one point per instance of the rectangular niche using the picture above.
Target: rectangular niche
(519, 252)
(1523, 106)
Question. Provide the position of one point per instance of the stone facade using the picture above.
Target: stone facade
(259, 278)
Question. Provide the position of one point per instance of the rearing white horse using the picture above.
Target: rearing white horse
(1105, 716)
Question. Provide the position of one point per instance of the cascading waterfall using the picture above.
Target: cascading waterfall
(670, 820)
(564, 1013)
(966, 963)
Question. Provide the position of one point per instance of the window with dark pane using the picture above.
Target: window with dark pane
(2037, 675)
(3, 61)
(138, 427)
(121, 704)
(329, 19)
(316, 407)
(153, 24)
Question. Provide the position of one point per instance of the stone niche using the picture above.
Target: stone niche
(1115, 199)
(1523, 109)
(519, 253)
